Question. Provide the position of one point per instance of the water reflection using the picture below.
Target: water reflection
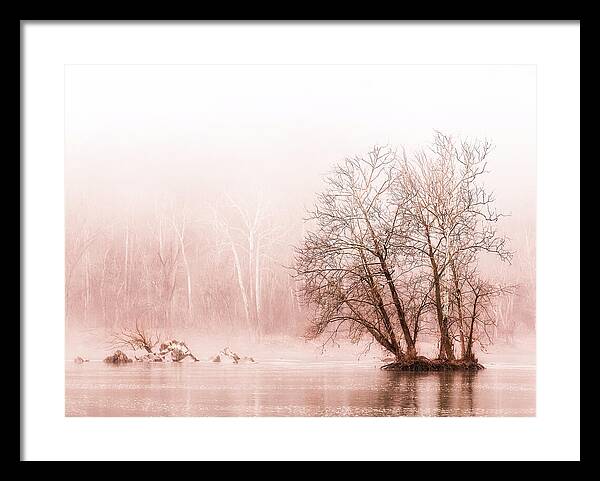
(94, 389)
(399, 390)
(455, 393)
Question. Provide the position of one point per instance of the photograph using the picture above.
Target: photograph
(294, 240)
(300, 240)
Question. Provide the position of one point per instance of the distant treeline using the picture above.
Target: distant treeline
(398, 240)
(218, 267)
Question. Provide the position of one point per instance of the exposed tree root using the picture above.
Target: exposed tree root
(421, 363)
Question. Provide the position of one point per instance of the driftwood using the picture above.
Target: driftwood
(140, 339)
(172, 351)
(177, 350)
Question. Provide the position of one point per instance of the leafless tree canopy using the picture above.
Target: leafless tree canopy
(395, 245)
(134, 339)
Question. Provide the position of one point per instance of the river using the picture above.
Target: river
(294, 388)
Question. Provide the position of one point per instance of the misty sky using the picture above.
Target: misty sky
(133, 131)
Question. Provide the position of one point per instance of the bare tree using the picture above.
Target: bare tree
(79, 237)
(396, 238)
(451, 219)
(480, 298)
(135, 338)
(179, 226)
(168, 251)
(249, 235)
(345, 264)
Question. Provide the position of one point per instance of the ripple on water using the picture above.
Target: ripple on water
(294, 389)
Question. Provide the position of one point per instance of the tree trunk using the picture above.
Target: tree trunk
(240, 278)
(86, 299)
(469, 350)
(180, 234)
(257, 279)
(446, 351)
(127, 269)
(374, 289)
(410, 346)
(459, 306)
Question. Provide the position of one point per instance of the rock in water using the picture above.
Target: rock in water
(227, 355)
(150, 357)
(188, 359)
(118, 357)
(177, 351)
(178, 355)
(79, 360)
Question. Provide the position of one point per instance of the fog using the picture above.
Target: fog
(193, 162)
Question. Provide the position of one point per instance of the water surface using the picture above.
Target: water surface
(331, 388)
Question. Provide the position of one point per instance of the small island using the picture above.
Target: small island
(395, 250)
